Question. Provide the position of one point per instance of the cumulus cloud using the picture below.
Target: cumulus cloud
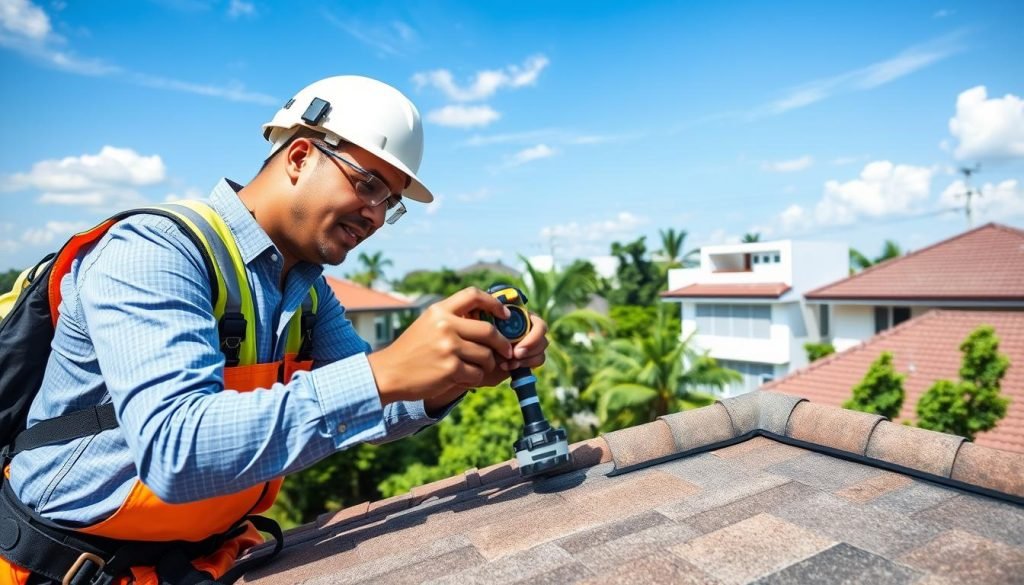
(486, 83)
(997, 201)
(882, 189)
(53, 231)
(594, 237)
(531, 154)
(988, 129)
(460, 116)
(22, 18)
(109, 178)
(240, 8)
(789, 166)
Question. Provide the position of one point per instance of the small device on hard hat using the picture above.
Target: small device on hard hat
(542, 450)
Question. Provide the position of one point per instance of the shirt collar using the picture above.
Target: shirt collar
(250, 237)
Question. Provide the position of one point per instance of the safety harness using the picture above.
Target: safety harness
(176, 543)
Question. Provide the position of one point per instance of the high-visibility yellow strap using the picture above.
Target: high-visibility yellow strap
(311, 303)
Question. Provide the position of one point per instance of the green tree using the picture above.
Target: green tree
(478, 433)
(645, 377)
(639, 279)
(750, 238)
(373, 268)
(632, 321)
(816, 351)
(881, 390)
(7, 280)
(858, 261)
(672, 246)
(974, 404)
(444, 282)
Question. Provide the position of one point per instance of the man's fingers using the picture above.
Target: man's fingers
(476, 354)
(535, 341)
(469, 300)
(468, 375)
(485, 334)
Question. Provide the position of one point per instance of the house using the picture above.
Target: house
(760, 488)
(979, 269)
(497, 267)
(925, 349)
(744, 304)
(374, 314)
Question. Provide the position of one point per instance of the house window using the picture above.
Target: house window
(747, 321)
(823, 323)
(380, 325)
(757, 259)
(778, 258)
(754, 375)
(886, 317)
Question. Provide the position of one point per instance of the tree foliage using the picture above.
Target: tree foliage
(446, 282)
(7, 280)
(973, 404)
(639, 280)
(858, 261)
(881, 390)
(816, 351)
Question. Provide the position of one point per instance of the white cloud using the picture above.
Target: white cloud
(459, 116)
(877, 74)
(488, 254)
(111, 167)
(585, 239)
(997, 202)
(53, 230)
(486, 83)
(240, 8)
(988, 129)
(883, 189)
(25, 19)
(789, 166)
(190, 193)
(531, 154)
(392, 39)
(434, 206)
(234, 91)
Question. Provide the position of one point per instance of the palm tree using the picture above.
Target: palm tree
(858, 261)
(672, 249)
(647, 377)
(373, 267)
(750, 238)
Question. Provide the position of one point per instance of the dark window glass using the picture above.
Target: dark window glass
(881, 319)
(900, 314)
(823, 319)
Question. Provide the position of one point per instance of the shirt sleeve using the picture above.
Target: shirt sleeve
(336, 339)
(146, 302)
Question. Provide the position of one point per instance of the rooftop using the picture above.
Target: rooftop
(984, 264)
(763, 488)
(768, 290)
(356, 297)
(925, 349)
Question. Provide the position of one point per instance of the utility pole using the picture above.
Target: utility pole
(967, 172)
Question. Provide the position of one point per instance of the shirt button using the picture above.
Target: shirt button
(273, 257)
(342, 427)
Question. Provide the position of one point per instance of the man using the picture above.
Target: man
(198, 445)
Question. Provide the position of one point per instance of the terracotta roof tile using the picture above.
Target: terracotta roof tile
(986, 263)
(846, 430)
(356, 297)
(925, 349)
(758, 510)
(770, 290)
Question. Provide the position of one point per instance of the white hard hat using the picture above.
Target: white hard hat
(370, 114)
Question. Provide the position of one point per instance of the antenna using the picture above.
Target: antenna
(970, 192)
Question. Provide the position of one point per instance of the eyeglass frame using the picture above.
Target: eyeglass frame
(396, 211)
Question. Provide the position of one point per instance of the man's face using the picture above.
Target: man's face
(327, 217)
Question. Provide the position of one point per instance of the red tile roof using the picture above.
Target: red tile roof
(768, 290)
(356, 297)
(984, 264)
(926, 349)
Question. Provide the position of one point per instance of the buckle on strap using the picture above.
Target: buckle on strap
(77, 574)
(232, 332)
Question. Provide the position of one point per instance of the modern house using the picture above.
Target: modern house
(745, 304)
(979, 269)
(374, 314)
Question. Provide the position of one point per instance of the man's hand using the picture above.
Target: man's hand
(528, 353)
(444, 352)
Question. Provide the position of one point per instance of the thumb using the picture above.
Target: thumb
(469, 300)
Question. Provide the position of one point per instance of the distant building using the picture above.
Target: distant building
(374, 314)
(979, 269)
(744, 304)
(496, 266)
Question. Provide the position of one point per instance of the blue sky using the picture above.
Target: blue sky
(549, 126)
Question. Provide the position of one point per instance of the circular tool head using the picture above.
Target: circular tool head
(543, 453)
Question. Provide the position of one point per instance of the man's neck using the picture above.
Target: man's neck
(260, 206)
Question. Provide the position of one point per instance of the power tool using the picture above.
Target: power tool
(541, 450)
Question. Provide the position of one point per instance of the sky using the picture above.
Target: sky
(550, 127)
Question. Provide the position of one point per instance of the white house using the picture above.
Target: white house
(745, 304)
(979, 269)
(374, 314)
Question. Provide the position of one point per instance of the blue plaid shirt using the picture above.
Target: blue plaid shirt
(137, 329)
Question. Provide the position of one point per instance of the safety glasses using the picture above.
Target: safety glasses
(369, 187)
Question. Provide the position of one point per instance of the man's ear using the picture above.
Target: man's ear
(298, 158)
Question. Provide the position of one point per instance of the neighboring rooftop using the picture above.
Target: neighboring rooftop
(985, 264)
(496, 266)
(768, 290)
(356, 297)
(763, 488)
(925, 349)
